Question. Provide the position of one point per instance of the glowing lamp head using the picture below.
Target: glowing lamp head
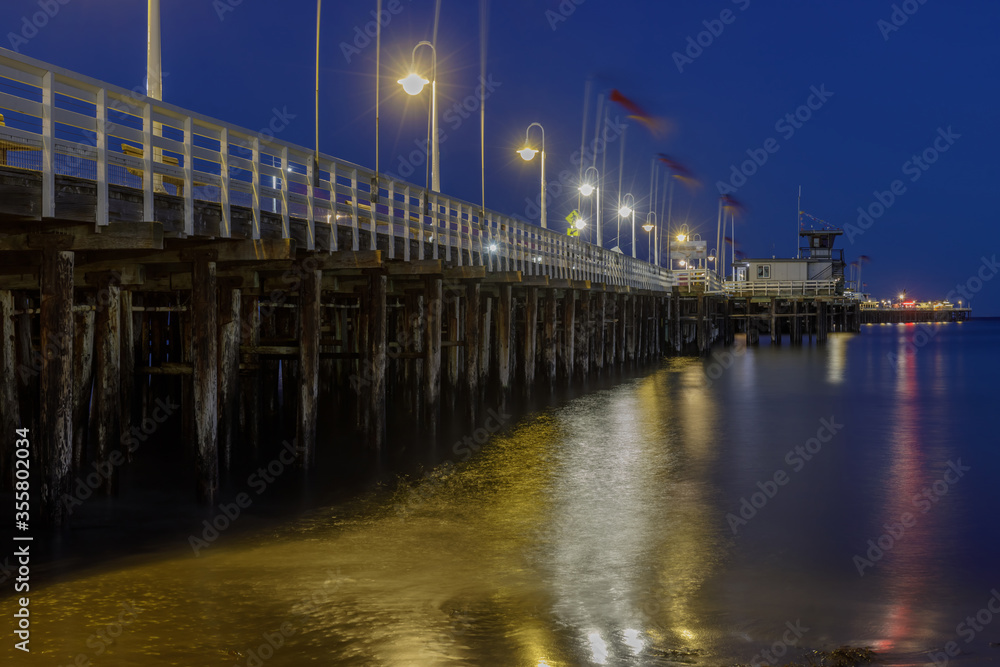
(586, 189)
(625, 211)
(681, 238)
(580, 223)
(648, 227)
(413, 83)
(527, 153)
(493, 247)
(683, 263)
(902, 296)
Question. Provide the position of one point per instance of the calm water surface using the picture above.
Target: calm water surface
(608, 530)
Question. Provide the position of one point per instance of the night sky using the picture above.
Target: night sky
(892, 89)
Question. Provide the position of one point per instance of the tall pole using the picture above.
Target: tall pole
(721, 256)
(583, 138)
(378, 82)
(319, 8)
(435, 165)
(154, 76)
(544, 224)
(621, 170)
(670, 212)
(798, 222)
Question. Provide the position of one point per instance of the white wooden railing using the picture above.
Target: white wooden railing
(754, 288)
(704, 280)
(59, 123)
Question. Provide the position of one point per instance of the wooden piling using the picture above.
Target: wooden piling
(126, 403)
(10, 411)
(432, 348)
(600, 315)
(55, 436)
(83, 378)
(107, 377)
(308, 385)
(250, 377)
(377, 346)
(568, 329)
(583, 336)
(550, 341)
(530, 335)
(204, 317)
(229, 370)
(504, 311)
(472, 342)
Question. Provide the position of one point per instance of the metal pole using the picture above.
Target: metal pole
(544, 224)
(378, 87)
(435, 165)
(154, 77)
(319, 5)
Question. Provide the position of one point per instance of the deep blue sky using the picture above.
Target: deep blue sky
(890, 97)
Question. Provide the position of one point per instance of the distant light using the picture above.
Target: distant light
(586, 189)
(648, 227)
(683, 263)
(413, 83)
(902, 296)
(493, 247)
(527, 153)
(681, 238)
(625, 211)
(289, 170)
(580, 223)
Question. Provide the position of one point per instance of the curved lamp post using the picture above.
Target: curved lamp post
(588, 188)
(627, 210)
(650, 226)
(413, 84)
(528, 153)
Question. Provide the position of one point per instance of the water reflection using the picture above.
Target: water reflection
(594, 533)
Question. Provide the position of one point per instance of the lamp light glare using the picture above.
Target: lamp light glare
(413, 83)
(527, 153)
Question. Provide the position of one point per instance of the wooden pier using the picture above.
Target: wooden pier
(153, 258)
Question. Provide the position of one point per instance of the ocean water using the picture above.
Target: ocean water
(772, 499)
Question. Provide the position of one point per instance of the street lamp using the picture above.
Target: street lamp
(650, 226)
(413, 84)
(586, 189)
(627, 210)
(528, 153)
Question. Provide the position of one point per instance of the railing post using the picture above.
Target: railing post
(102, 156)
(285, 229)
(148, 189)
(48, 148)
(391, 232)
(256, 187)
(188, 176)
(227, 221)
(355, 241)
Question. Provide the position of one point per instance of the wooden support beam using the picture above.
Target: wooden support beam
(10, 412)
(432, 348)
(583, 336)
(83, 378)
(250, 382)
(55, 439)
(229, 371)
(452, 312)
(377, 332)
(126, 401)
(308, 389)
(530, 335)
(472, 339)
(107, 378)
(600, 315)
(486, 336)
(568, 330)
(505, 310)
(551, 336)
(205, 352)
